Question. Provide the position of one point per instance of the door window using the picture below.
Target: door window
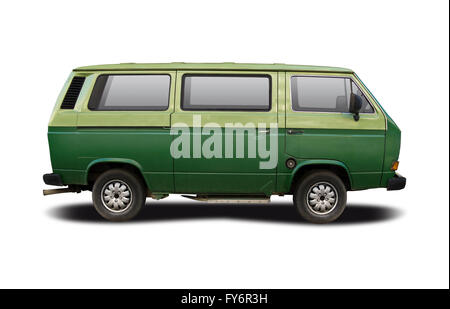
(324, 94)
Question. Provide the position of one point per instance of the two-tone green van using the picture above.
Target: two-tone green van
(220, 132)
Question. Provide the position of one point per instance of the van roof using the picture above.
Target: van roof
(212, 66)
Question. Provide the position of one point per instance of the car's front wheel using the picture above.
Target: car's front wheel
(320, 196)
(118, 195)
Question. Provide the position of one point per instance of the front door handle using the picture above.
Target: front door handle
(293, 131)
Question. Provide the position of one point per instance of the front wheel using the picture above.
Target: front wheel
(118, 195)
(320, 197)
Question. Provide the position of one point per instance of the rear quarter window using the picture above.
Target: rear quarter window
(130, 92)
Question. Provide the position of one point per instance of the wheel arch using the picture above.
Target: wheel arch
(96, 167)
(337, 167)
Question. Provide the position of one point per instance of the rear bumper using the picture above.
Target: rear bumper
(397, 182)
(53, 179)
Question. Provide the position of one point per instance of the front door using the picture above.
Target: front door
(319, 125)
(224, 129)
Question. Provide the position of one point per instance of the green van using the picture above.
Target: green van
(220, 132)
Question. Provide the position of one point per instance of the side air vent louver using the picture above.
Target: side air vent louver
(73, 92)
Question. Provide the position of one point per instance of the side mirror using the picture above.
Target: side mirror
(355, 105)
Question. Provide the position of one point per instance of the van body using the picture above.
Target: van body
(220, 132)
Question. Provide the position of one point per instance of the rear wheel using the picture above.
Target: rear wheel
(118, 195)
(320, 197)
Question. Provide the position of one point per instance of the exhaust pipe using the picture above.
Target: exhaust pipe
(62, 190)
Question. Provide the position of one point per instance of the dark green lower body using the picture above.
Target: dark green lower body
(75, 151)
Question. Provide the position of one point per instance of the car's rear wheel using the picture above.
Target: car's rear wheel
(320, 196)
(118, 195)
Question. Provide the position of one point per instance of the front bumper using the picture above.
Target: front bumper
(397, 182)
(53, 179)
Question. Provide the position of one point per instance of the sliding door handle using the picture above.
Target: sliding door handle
(294, 131)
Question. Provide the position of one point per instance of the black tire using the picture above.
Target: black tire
(136, 195)
(324, 213)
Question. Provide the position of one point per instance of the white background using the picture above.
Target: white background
(385, 239)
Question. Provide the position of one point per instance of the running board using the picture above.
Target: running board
(229, 199)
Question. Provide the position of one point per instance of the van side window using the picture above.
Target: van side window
(130, 92)
(366, 107)
(226, 92)
(324, 94)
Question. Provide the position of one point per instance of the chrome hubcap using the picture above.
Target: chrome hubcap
(322, 197)
(116, 196)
